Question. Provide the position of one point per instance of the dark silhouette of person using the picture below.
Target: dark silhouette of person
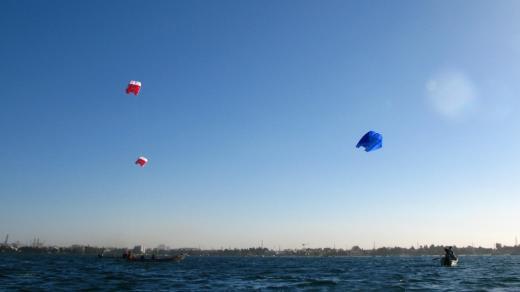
(449, 254)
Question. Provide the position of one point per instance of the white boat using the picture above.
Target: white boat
(448, 263)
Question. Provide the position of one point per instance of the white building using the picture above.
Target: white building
(138, 249)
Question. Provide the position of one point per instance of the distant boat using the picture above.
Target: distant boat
(175, 258)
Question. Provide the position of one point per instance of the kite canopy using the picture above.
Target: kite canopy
(133, 87)
(371, 141)
(141, 161)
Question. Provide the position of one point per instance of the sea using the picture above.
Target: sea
(73, 273)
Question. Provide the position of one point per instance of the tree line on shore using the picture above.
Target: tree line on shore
(431, 250)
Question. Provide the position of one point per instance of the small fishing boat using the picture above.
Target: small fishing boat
(152, 259)
(176, 258)
(448, 263)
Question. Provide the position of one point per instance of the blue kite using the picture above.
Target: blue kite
(371, 141)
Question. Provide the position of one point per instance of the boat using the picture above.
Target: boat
(176, 258)
(448, 263)
(153, 259)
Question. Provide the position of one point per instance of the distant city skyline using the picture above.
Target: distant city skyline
(37, 243)
(249, 114)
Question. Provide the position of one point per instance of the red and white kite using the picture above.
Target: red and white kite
(141, 161)
(133, 87)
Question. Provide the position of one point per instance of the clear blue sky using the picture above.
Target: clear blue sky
(249, 114)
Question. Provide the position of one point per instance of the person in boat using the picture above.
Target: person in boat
(130, 255)
(449, 254)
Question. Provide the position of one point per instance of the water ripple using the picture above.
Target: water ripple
(65, 273)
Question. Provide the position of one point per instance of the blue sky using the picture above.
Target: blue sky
(249, 114)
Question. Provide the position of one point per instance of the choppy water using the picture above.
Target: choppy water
(229, 273)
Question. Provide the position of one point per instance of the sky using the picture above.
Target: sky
(249, 114)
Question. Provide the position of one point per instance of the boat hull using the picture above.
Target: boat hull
(176, 258)
(449, 263)
(157, 260)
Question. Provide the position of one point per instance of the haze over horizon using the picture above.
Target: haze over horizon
(249, 114)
